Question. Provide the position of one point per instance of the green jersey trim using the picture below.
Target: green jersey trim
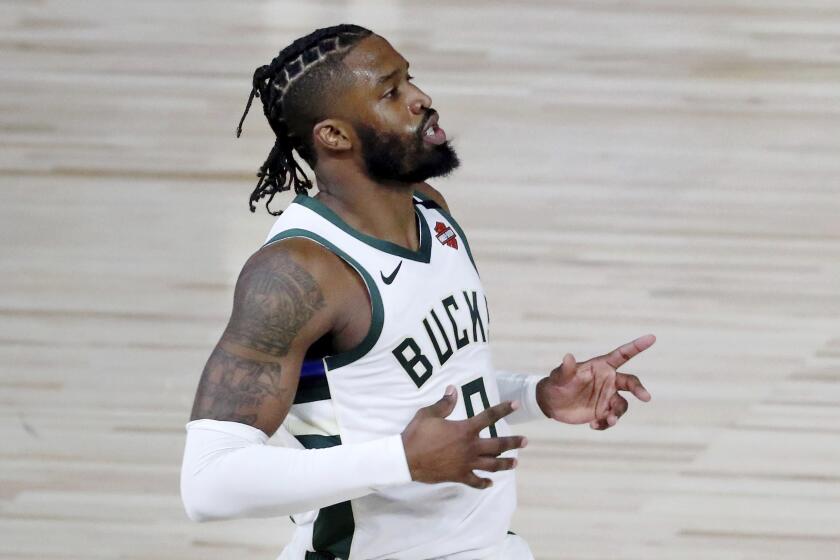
(334, 526)
(422, 254)
(377, 308)
(452, 221)
(311, 389)
(317, 441)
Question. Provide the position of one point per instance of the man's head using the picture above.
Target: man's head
(342, 95)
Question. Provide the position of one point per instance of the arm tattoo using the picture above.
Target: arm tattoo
(233, 388)
(274, 299)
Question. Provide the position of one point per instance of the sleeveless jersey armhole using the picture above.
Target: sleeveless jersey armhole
(377, 309)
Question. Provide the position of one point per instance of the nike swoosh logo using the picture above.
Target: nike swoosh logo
(390, 278)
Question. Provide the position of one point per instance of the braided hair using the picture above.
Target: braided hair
(292, 88)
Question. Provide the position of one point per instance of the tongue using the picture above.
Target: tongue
(438, 137)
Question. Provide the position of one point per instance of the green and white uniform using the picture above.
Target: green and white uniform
(430, 328)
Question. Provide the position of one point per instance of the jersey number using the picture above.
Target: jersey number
(470, 389)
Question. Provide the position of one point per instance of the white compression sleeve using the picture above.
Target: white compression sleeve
(520, 387)
(229, 471)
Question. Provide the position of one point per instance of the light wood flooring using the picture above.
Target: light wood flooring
(665, 166)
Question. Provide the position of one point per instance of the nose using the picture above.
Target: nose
(420, 102)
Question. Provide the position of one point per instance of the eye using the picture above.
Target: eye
(390, 93)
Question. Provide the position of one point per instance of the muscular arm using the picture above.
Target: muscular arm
(279, 310)
(246, 390)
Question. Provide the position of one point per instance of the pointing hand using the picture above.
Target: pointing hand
(588, 392)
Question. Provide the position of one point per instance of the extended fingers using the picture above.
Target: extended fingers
(620, 355)
(492, 415)
(493, 447)
(627, 382)
(486, 458)
(472, 480)
(491, 464)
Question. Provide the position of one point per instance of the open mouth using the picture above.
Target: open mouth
(432, 133)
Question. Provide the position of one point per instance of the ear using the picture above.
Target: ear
(333, 135)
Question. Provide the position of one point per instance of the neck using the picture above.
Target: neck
(384, 211)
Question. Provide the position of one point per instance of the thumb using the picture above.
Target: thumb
(445, 405)
(566, 371)
(569, 364)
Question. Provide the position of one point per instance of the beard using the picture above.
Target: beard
(401, 158)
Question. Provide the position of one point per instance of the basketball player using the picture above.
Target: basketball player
(360, 335)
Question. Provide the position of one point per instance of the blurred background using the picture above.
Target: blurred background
(664, 166)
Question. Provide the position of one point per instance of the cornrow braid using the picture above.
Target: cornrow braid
(272, 83)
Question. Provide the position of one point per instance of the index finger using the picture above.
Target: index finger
(620, 355)
(492, 415)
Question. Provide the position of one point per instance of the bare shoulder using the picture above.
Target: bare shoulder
(282, 303)
(280, 297)
(432, 193)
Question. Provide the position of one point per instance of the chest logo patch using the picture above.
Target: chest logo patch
(445, 235)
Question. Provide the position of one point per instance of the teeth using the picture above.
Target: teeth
(430, 131)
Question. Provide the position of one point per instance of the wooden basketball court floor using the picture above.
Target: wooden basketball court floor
(668, 166)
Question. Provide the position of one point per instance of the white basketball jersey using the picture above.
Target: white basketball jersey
(430, 328)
